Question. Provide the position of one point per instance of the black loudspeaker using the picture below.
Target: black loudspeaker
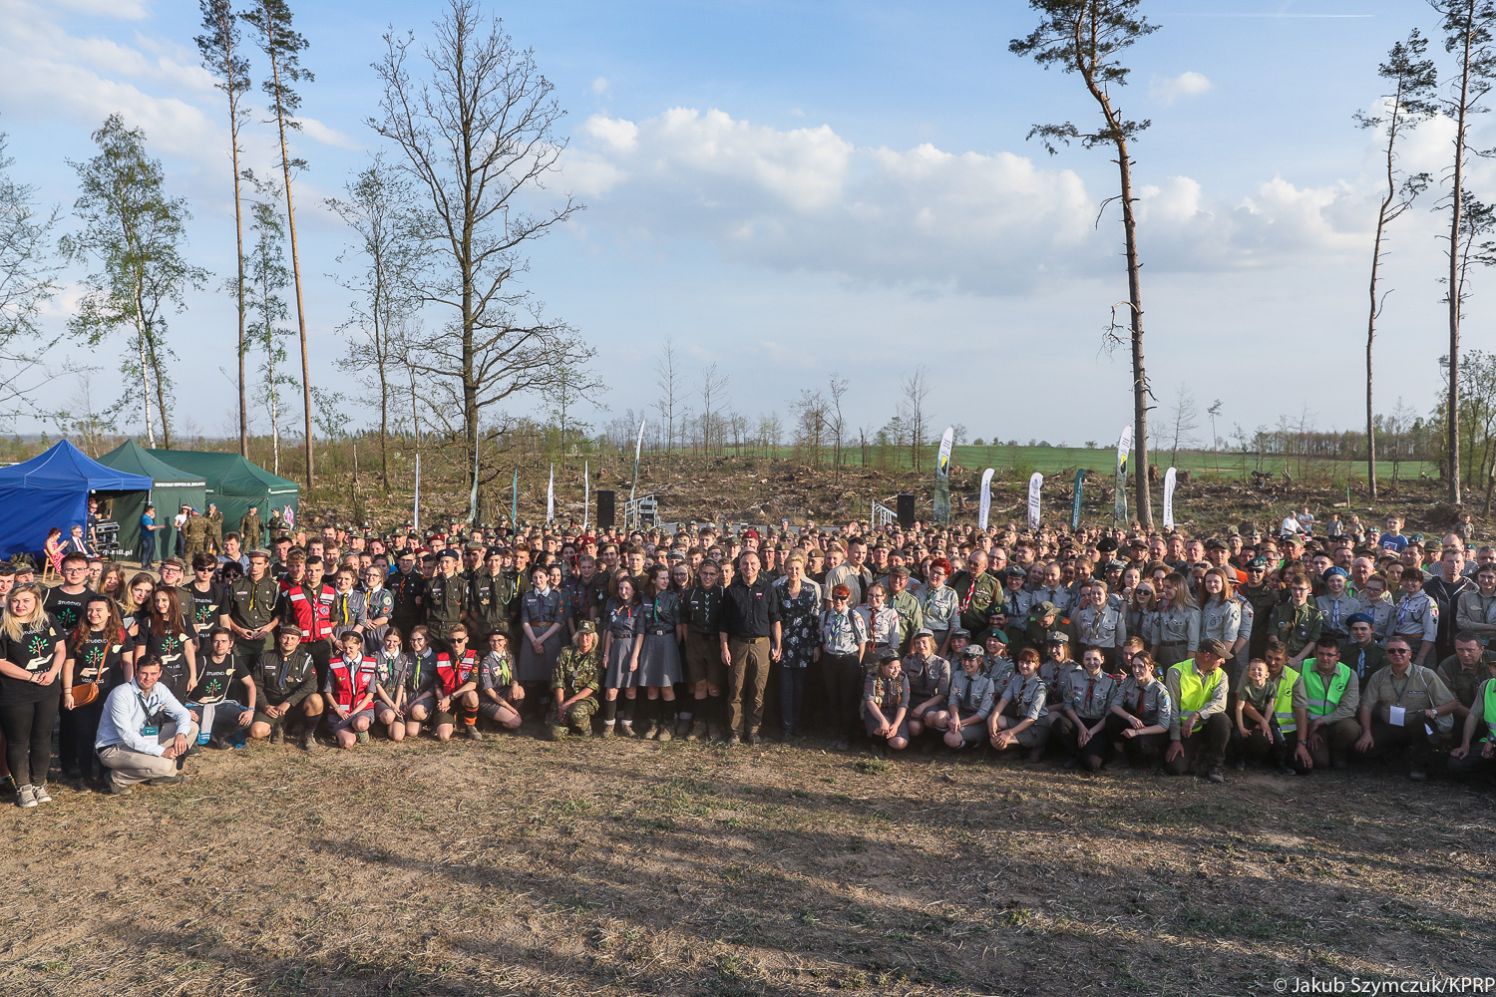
(606, 510)
(906, 510)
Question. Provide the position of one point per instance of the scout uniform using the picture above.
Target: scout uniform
(976, 597)
(1415, 617)
(251, 605)
(279, 679)
(1297, 627)
(489, 599)
(1026, 701)
(701, 608)
(882, 698)
(1176, 633)
(446, 601)
(1152, 705)
(972, 695)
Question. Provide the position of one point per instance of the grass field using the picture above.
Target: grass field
(519, 866)
(1049, 460)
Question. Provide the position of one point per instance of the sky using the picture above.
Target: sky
(799, 191)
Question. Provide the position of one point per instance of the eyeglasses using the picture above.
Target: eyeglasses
(1398, 650)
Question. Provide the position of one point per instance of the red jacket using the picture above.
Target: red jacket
(310, 610)
(349, 685)
(449, 675)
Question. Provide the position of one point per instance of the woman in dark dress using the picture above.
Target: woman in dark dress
(96, 655)
(656, 661)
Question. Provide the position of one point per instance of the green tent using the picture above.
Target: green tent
(171, 488)
(235, 484)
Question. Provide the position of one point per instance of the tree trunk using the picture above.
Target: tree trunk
(306, 372)
(239, 256)
(1139, 371)
(1457, 206)
(145, 387)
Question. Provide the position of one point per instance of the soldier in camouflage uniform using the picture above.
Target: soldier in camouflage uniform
(215, 528)
(250, 530)
(575, 683)
(195, 534)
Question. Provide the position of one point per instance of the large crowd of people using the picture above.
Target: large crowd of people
(1291, 650)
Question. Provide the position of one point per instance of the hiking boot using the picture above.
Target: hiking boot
(362, 737)
(730, 740)
(662, 732)
(682, 728)
(752, 738)
(40, 794)
(165, 780)
(471, 732)
(277, 735)
(308, 741)
(698, 731)
(115, 789)
(25, 798)
(1215, 775)
(607, 730)
(625, 728)
(555, 733)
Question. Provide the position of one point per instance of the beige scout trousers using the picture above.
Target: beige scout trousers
(128, 766)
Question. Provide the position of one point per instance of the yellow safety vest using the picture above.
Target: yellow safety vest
(1283, 707)
(1322, 700)
(1194, 689)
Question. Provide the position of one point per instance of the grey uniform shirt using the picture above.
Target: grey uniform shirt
(971, 694)
(1221, 620)
(1151, 704)
(1026, 698)
(1104, 627)
(1089, 696)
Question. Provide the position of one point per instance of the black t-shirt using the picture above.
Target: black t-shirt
(203, 609)
(33, 652)
(215, 678)
(100, 651)
(168, 647)
(66, 609)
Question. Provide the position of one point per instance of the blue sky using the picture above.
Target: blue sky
(799, 190)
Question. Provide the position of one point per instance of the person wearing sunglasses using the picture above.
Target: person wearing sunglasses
(1406, 709)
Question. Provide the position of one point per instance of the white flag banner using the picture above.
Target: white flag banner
(947, 440)
(984, 508)
(586, 492)
(1036, 485)
(1170, 478)
(550, 496)
(1124, 447)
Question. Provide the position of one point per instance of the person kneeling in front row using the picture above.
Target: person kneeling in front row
(144, 732)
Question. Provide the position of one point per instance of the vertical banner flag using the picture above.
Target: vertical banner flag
(1080, 490)
(514, 502)
(1036, 485)
(473, 497)
(943, 476)
(550, 496)
(984, 508)
(638, 449)
(586, 493)
(415, 514)
(1124, 445)
(1169, 481)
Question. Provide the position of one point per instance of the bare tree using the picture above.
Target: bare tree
(916, 389)
(283, 46)
(393, 255)
(1088, 37)
(219, 46)
(479, 138)
(667, 377)
(28, 280)
(770, 433)
(1412, 80)
(810, 414)
(837, 389)
(266, 308)
(1184, 417)
(1468, 26)
(713, 383)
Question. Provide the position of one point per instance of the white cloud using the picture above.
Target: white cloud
(924, 218)
(125, 10)
(1168, 89)
(600, 86)
(319, 131)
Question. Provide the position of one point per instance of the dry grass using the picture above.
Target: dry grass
(521, 866)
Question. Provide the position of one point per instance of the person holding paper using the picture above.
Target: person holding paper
(1403, 709)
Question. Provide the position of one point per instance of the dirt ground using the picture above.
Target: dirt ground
(619, 867)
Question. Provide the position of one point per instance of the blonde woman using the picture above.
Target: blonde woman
(32, 652)
(1176, 629)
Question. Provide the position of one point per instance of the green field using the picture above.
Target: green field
(1050, 460)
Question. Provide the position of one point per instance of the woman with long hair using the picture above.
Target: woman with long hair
(620, 632)
(165, 638)
(1220, 614)
(1176, 628)
(112, 581)
(96, 656)
(656, 660)
(32, 653)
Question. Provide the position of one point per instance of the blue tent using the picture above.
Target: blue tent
(52, 489)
